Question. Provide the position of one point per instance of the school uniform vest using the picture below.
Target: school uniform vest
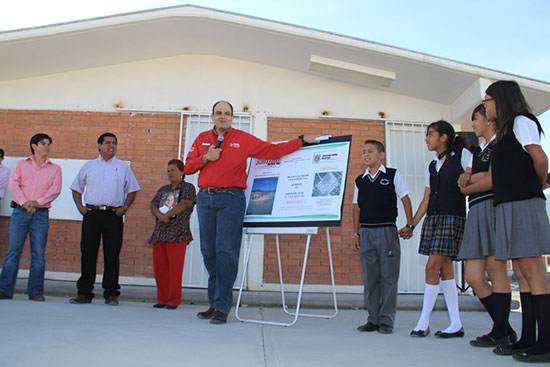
(445, 196)
(481, 163)
(377, 199)
(513, 171)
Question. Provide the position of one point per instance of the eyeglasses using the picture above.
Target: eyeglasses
(483, 101)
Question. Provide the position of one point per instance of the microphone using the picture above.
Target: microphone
(219, 143)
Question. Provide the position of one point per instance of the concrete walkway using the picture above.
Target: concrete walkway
(56, 333)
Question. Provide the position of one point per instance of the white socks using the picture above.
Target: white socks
(451, 299)
(430, 296)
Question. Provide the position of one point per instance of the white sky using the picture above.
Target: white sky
(507, 35)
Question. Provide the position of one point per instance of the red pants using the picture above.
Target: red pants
(168, 259)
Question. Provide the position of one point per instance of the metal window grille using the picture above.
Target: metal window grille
(194, 273)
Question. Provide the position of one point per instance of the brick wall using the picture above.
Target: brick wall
(148, 141)
(347, 268)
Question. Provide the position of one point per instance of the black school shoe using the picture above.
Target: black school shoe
(385, 329)
(456, 334)
(218, 318)
(532, 357)
(487, 341)
(369, 326)
(420, 333)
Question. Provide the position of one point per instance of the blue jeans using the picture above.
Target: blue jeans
(221, 229)
(36, 226)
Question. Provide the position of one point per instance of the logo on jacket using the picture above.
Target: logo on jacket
(384, 182)
(235, 145)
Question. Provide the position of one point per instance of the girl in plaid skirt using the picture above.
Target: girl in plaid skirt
(444, 224)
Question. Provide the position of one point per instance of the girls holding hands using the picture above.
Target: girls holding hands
(444, 225)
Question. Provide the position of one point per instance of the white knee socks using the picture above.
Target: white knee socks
(430, 296)
(451, 299)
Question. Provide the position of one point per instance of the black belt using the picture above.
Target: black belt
(14, 205)
(102, 207)
(218, 190)
(377, 225)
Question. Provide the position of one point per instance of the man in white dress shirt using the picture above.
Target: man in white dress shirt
(109, 187)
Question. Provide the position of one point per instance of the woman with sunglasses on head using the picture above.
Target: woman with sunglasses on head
(518, 173)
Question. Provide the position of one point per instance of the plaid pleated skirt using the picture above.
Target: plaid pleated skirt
(441, 235)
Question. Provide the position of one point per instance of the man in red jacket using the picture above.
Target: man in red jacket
(221, 156)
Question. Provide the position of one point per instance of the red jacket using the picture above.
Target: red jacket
(237, 146)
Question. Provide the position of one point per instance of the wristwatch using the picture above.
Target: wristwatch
(304, 143)
(356, 235)
(410, 226)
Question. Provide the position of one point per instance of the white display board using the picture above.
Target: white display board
(63, 207)
(302, 189)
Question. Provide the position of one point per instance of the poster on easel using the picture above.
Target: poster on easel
(302, 189)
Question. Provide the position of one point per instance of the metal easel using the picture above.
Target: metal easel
(296, 314)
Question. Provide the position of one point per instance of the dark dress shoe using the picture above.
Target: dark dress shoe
(218, 317)
(37, 298)
(171, 307)
(385, 329)
(80, 299)
(456, 334)
(532, 357)
(206, 314)
(369, 326)
(4, 296)
(484, 341)
(111, 301)
(420, 333)
(159, 305)
(512, 349)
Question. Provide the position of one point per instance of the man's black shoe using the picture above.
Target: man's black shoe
(111, 301)
(369, 326)
(4, 296)
(80, 299)
(37, 298)
(218, 318)
(206, 314)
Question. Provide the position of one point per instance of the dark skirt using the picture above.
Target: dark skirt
(478, 241)
(441, 235)
(522, 229)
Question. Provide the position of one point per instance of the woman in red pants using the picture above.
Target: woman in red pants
(172, 207)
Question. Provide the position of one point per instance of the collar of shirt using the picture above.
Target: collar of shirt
(227, 132)
(485, 143)
(109, 161)
(367, 172)
(31, 158)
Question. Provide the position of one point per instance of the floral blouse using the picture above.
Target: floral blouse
(177, 230)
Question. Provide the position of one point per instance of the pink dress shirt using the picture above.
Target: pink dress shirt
(31, 183)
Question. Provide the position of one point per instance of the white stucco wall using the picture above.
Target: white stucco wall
(196, 81)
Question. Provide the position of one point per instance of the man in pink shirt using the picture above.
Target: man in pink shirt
(34, 183)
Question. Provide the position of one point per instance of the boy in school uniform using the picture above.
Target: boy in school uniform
(376, 236)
